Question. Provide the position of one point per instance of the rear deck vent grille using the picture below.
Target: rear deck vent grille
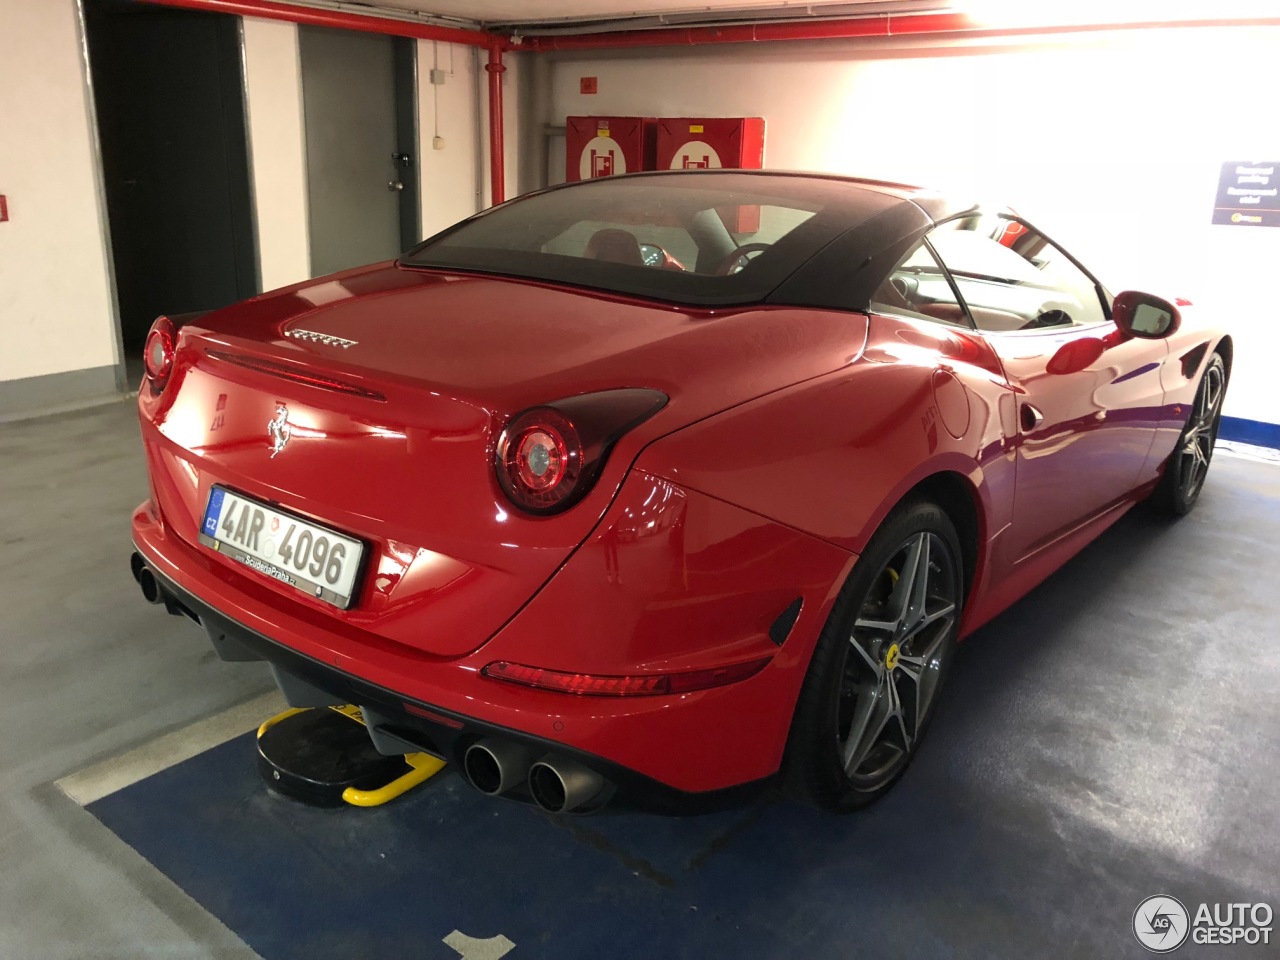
(297, 375)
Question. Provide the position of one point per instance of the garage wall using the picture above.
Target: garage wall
(273, 87)
(54, 275)
(455, 177)
(451, 181)
(464, 124)
(453, 184)
(55, 301)
(1114, 142)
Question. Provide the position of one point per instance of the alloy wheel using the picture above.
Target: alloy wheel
(1202, 430)
(897, 653)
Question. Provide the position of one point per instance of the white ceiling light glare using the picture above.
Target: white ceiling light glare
(1045, 13)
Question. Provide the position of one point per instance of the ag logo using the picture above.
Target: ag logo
(1161, 924)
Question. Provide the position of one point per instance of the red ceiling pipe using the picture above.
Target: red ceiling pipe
(497, 167)
(272, 10)
(879, 25)
(875, 26)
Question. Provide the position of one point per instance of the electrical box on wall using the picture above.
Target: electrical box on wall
(604, 146)
(711, 142)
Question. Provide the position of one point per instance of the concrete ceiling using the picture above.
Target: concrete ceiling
(560, 11)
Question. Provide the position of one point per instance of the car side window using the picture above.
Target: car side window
(918, 287)
(1012, 278)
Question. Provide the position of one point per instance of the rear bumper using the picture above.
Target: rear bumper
(676, 751)
(395, 720)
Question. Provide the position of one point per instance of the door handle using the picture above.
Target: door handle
(394, 185)
(1031, 418)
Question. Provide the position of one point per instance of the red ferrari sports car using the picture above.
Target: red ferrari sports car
(664, 484)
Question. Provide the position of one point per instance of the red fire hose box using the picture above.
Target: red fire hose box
(712, 143)
(603, 146)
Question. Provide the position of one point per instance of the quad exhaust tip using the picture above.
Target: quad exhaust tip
(495, 766)
(559, 785)
(146, 580)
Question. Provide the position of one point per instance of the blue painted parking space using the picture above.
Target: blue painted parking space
(1024, 829)
(771, 879)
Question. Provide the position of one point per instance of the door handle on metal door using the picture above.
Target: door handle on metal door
(1031, 418)
(394, 185)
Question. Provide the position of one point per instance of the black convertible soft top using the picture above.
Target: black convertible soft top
(811, 239)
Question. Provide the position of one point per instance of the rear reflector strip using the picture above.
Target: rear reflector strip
(296, 375)
(638, 685)
(431, 715)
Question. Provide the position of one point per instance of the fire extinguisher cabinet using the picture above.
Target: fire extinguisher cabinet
(710, 142)
(604, 146)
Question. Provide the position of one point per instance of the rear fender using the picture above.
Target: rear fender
(676, 581)
(833, 456)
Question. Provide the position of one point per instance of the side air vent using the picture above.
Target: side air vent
(297, 375)
(780, 629)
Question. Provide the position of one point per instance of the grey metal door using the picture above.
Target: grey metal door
(360, 162)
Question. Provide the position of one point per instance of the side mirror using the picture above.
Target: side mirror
(653, 255)
(1145, 315)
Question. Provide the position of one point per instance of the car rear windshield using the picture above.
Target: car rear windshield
(697, 239)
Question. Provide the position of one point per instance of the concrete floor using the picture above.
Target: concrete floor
(1121, 722)
(86, 672)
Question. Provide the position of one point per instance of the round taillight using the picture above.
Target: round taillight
(158, 352)
(539, 460)
(542, 459)
(548, 457)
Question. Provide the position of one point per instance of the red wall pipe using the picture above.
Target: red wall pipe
(497, 170)
(273, 10)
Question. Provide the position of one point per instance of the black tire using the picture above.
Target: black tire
(872, 621)
(1188, 465)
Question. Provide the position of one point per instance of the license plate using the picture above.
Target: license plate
(302, 554)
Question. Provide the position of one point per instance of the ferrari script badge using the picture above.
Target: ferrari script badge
(278, 430)
(328, 339)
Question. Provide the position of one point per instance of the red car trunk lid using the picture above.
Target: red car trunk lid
(395, 384)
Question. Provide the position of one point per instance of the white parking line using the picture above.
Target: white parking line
(1247, 451)
(472, 949)
(105, 778)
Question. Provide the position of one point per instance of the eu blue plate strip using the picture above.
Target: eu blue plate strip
(212, 511)
(1256, 432)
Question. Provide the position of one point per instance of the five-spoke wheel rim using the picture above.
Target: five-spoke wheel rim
(898, 649)
(1202, 429)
